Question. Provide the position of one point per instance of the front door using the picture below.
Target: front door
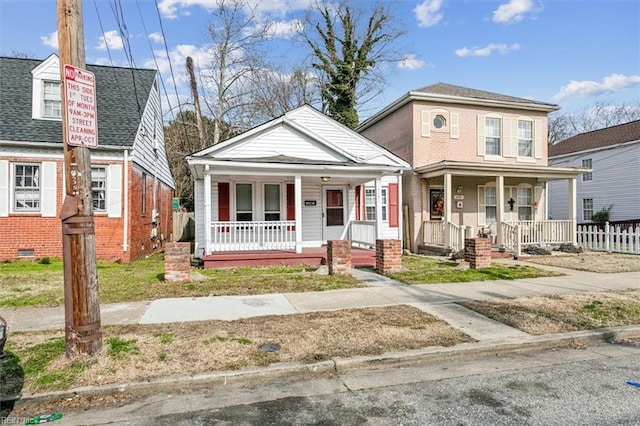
(334, 213)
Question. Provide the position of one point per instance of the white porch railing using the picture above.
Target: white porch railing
(245, 236)
(544, 231)
(363, 232)
(610, 239)
(434, 232)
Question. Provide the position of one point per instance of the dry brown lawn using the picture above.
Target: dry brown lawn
(143, 352)
(591, 262)
(563, 313)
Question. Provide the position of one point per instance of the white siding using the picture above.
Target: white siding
(311, 215)
(281, 140)
(616, 181)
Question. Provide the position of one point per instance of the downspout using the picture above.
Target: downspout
(125, 224)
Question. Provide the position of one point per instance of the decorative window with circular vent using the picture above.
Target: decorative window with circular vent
(439, 121)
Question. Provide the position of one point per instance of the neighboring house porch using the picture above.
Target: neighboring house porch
(506, 203)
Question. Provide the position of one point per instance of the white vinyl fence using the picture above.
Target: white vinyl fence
(613, 238)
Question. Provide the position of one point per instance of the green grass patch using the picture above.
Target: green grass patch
(426, 270)
(121, 348)
(215, 339)
(165, 338)
(30, 283)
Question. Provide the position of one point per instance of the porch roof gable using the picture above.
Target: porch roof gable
(459, 168)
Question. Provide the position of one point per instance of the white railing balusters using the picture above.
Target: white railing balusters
(610, 239)
(249, 236)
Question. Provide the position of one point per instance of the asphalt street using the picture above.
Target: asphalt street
(582, 386)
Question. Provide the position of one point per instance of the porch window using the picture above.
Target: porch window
(244, 202)
(587, 163)
(52, 100)
(525, 138)
(370, 203)
(271, 201)
(524, 203)
(587, 208)
(26, 193)
(490, 204)
(492, 136)
(99, 188)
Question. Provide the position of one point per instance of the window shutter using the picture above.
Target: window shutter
(425, 124)
(455, 127)
(393, 205)
(48, 189)
(114, 190)
(480, 132)
(537, 139)
(291, 202)
(4, 188)
(223, 201)
(358, 202)
(482, 219)
(510, 137)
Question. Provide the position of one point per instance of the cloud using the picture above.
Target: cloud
(428, 13)
(172, 9)
(284, 29)
(110, 40)
(156, 37)
(487, 50)
(513, 11)
(50, 40)
(410, 62)
(611, 83)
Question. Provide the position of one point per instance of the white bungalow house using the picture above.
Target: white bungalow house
(294, 183)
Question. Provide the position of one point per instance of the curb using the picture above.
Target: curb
(340, 365)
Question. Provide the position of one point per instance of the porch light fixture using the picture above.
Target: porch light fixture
(459, 190)
(325, 178)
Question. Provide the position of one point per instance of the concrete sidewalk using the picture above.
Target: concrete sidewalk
(436, 299)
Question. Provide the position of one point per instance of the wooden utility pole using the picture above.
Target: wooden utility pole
(82, 307)
(202, 132)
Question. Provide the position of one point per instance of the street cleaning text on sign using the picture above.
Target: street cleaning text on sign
(82, 116)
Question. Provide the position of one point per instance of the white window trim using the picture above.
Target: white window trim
(234, 199)
(105, 189)
(48, 70)
(384, 206)
(589, 174)
(281, 196)
(529, 158)
(12, 188)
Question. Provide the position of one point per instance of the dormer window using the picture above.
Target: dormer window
(51, 100)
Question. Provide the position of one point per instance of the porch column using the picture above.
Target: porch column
(573, 202)
(400, 208)
(207, 210)
(297, 189)
(499, 209)
(379, 207)
(447, 209)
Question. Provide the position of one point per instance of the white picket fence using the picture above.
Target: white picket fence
(610, 239)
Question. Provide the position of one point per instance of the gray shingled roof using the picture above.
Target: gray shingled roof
(118, 112)
(608, 136)
(465, 92)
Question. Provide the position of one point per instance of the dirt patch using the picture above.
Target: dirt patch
(563, 313)
(143, 352)
(591, 262)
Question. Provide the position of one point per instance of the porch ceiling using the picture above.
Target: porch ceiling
(541, 173)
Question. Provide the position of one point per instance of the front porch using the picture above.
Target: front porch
(310, 256)
(515, 235)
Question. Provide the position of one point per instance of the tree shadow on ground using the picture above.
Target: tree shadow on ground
(11, 382)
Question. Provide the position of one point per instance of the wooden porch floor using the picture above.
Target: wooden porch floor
(312, 256)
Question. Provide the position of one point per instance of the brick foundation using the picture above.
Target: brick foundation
(339, 257)
(388, 256)
(177, 262)
(477, 251)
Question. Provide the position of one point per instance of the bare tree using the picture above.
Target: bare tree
(237, 36)
(598, 116)
(347, 44)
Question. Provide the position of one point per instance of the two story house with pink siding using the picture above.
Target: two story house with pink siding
(479, 167)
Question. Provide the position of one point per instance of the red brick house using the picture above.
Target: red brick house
(131, 180)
